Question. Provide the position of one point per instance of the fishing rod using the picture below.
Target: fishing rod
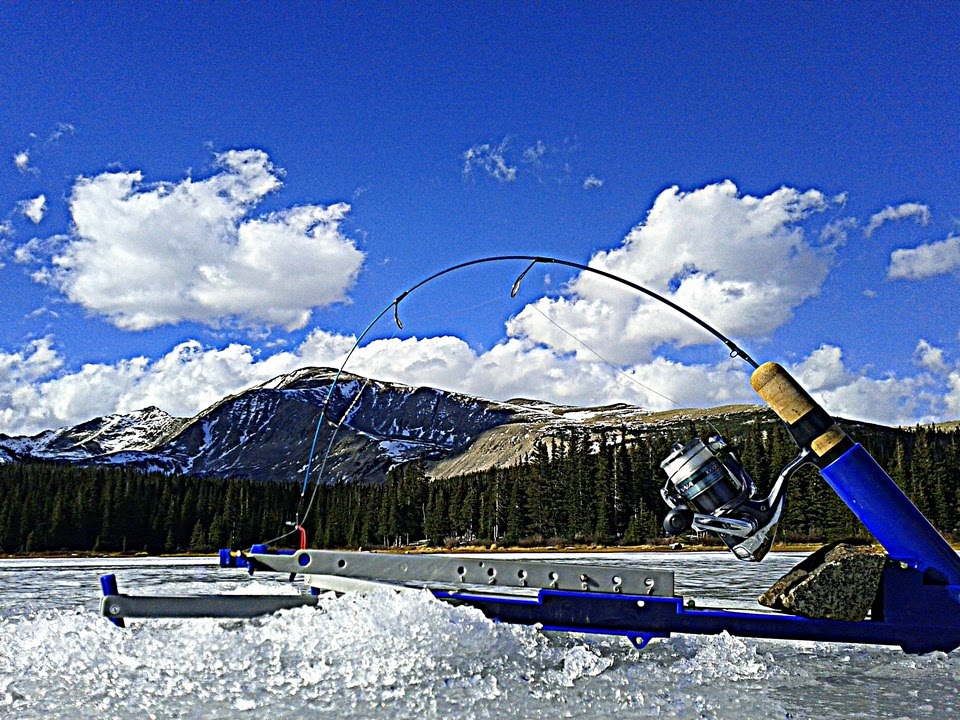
(707, 488)
(735, 350)
(533, 260)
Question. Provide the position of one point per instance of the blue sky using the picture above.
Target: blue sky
(195, 198)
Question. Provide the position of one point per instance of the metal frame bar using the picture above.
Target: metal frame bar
(460, 571)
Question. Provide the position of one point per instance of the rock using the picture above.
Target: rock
(837, 582)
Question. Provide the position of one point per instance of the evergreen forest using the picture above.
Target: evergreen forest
(573, 488)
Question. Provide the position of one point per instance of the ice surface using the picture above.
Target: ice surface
(390, 655)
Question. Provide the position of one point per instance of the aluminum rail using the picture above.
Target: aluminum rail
(460, 570)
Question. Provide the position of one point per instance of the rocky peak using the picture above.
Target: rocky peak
(371, 425)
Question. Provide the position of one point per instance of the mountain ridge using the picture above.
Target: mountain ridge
(265, 432)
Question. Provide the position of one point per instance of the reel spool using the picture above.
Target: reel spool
(708, 490)
(700, 478)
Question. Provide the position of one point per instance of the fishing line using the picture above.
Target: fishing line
(333, 438)
(735, 350)
(605, 361)
(319, 426)
(297, 525)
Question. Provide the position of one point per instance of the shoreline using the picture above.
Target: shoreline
(421, 550)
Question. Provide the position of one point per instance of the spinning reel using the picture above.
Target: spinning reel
(708, 490)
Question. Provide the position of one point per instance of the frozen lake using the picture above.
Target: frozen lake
(389, 655)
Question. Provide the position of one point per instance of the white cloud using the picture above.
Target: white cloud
(855, 395)
(20, 373)
(930, 357)
(34, 396)
(534, 154)
(837, 231)
(822, 370)
(147, 255)
(60, 131)
(891, 400)
(741, 263)
(34, 209)
(952, 398)
(924, 261)
(491, 160)
(21, 161)
(35, 361)
(920, 213)
(35, 393)
(6, 231)
(592, 181)
(36, 250)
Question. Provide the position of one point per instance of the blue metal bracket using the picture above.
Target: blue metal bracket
(911, 613)
(896, 523)
(108, 586)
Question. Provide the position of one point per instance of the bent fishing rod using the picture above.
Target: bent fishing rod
(533, 260)
(707, 488)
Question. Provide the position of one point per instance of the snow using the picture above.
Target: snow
(389, 655)
(580, 416)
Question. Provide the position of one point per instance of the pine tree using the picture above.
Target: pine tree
(921, 488)
(198, 539)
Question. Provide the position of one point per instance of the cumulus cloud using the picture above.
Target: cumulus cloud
(35, 361)
(515, 368)
(21, 160)
(924, 261)
(33, 209)
(592, 181)
(855, 395)
(920, 213)
(20, 373)
(144, 255)
(35, 396)
(35, 393)
(823, 370)
(742, 263)
(489, 160)
(952, 398)
(930, 357)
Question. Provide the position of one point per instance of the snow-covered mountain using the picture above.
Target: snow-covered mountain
(266, 432)
(138, 431)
